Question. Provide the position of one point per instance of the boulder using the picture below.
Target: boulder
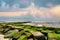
(38, 34)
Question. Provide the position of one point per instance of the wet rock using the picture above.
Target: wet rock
(38, 34)
(30, 39)
(11, 33)
(1, 37)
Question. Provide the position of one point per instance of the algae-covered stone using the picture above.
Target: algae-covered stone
(11, 33)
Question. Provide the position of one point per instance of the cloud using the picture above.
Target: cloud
(42, 12)
(13, 14)
(21, 3)
(50, 4)
(27, 10)
(32, 10)
(3, 4)
(56, 10)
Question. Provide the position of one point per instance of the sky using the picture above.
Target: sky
(30, 10)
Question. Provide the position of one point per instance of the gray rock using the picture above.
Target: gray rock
(30, 39)
(38, 34)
